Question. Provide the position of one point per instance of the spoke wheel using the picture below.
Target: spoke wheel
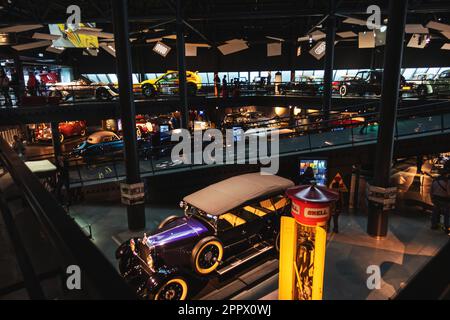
(148, 91)
(175, 289)
(208, 257)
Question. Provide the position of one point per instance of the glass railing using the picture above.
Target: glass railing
(306, 137)
(53, 94)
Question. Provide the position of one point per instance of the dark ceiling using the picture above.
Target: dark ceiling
(217, 20)
(214, 21)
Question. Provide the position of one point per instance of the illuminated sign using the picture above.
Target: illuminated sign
(161, 49)
(318, 51)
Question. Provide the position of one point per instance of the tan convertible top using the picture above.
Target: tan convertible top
(221, 197)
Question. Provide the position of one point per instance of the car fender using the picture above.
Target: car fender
(158, 278)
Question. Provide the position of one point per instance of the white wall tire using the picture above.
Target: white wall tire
(207, 255)
(174, 289)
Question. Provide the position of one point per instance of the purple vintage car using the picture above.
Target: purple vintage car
(221, 222)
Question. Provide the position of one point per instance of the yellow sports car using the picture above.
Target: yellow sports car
(168, 84)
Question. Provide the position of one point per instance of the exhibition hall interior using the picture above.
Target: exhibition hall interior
(255, 150)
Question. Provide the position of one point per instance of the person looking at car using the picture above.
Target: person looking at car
(236, 89)
(307, 177)
(336, 208)
(15, 85)
(32, 84)
(269, 78)
(4, 87)
(216, 85)
(224, 87)
(440, 196)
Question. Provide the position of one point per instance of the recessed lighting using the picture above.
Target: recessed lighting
(41, 55)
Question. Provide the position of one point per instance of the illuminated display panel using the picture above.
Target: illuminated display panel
(320, 168)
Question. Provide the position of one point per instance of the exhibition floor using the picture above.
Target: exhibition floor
(409, 245)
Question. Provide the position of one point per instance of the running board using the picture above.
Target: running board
(245, 256)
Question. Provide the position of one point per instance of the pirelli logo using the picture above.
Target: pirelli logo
(317, 213)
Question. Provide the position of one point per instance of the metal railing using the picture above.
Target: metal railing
(307, 137)
(54, 94)
(72, 247)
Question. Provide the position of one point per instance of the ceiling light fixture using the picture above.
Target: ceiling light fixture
(161, 49)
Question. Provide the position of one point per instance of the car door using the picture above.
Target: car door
(232, 231)
(375, 83)
(443, 83)
(168, 83)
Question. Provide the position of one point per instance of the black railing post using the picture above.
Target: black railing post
(181, 59)
(56, 141)
(329, 60)
(135, 211)
(377, 224)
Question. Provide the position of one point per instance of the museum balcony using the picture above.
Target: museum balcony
(224, 150)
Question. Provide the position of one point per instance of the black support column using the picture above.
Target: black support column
(56, 141)
(135, 211)
(329, 59)
(377, 225)
(181, 59)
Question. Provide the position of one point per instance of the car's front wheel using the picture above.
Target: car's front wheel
(148, 90)
(207, 255)
(102, 94)
(422, 91)
(174, 289)
(191, 89)
(343, 91)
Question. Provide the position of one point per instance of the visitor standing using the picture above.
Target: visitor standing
(440, 196)
(224, 87)
(216, 85)
(4, 87)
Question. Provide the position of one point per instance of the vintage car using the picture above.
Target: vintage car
(82, 88)
(226, 219)
(43, 131)
(168, 84)
(247, 119)
(433, 85)
(304, 85)
(368, 82)
(99, 144)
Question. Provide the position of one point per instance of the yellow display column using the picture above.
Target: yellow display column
(303, 243)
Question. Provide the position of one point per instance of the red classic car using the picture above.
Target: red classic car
(43, 131)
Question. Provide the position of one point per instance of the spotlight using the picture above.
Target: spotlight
(383, 28)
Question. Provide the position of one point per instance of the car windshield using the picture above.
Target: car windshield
(193, 211)
(362, 75)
